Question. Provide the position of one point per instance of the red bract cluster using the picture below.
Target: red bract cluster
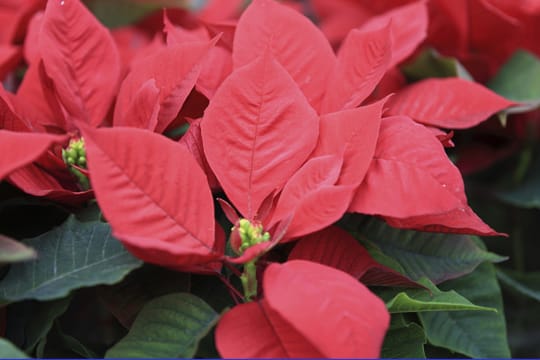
(292, 132)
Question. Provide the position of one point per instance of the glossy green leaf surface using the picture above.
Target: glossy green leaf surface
(169, 326)
(71, 256)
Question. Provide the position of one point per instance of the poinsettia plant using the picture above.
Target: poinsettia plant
(240, 180)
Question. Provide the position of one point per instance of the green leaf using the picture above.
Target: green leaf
(71, 256)
(519, 78)
(436, 256)
(527, 284)
(527, 193)
(30, 321)
(10, 351)
(377, 254)
(403, 340)
(125, 299)
(124, 12)
(430, 63)
(421, 300)
(475, 334)
(169, 326)
(13, 251)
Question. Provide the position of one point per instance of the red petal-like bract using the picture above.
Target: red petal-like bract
(81, 58)
(154, 195)
(308, 310)
(299, 297)
(336, 248)
(354, 134)
(462, 220)
(450, 103)
(192, 140)
(333, 311)
(295, 42)
(362, 61)
(410, 174)
(36, 101)
(257, 131)
(142, 111)
(23, 148)
(253, 330)
(175, 70)
(311, 196)
(409, 26)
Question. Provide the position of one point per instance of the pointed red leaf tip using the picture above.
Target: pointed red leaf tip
(154, 195)
(175, 70)
(410, 174)
(192, 140)
(293, 39)
(354, 134)
(450, 103)
(462, 220)
(363, 60)
(336, 248)
(257, 131)
(81, 58)
(309, 310)
(23, 148)
(36, 100)
(311, 197)
(409, 25)
(142, 111)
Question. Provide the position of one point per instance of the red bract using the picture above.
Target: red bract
(409, 173)
(447, 103)
(302, 315)
(294, 41)
(336, 248)
(154, 195)
(23, 149)
(257, 131)
(74, 46)
(174, 71)
(72, 77)
(249, 130)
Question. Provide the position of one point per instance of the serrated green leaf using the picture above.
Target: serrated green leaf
(12, 251)
(404, 339)
(169, 326)
(430, 64)
(10, 351)
(71, 256)
(527, 284)
(519, 78)
(436, 256)
(421, 300)
(478, 334)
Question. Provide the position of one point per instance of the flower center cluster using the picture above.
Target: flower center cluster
(250, 234)
(74, 157)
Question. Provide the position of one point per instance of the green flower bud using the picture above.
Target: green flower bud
(75, 155)
(246, 234)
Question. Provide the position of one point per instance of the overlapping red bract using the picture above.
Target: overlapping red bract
(161, 211)
(301, 315)
(288, 129)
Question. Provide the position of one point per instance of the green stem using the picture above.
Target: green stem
(249, 280)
